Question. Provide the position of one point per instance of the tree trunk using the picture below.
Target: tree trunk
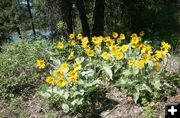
(29, 10)
(67, 14)
(19, 32)
(82, 13)
(98, 26)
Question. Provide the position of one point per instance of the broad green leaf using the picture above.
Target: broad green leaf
(45, 94)
(157, 84)
(136, 96)
(65, 107)
(108, 71)
(145, 87)
(80, 59)
(135, 71)
(66, 95)
(127, 72)
(87, 73)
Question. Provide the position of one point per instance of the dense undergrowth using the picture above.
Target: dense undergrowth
(71, 74)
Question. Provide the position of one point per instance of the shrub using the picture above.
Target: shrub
(18, 74)
(82, 64)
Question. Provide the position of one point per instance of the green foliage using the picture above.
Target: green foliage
(18, 73)
(148, 108)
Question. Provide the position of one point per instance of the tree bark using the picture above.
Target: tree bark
(67, 14)
(82, 13)
(30, 14)
(19, 32)
(98, 26)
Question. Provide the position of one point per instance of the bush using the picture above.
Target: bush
(18, 74)
(126, 61)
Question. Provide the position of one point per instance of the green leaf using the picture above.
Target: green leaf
(88, 73)
(80, 59)
(145, 87)
(45, 94)
(127, 72)
(108, 71)
(157, 84)
(135, 71)
(136, 96)
(65, 107)
(66, 95)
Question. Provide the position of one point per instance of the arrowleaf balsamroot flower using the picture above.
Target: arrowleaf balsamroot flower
(105, 56)
(77, 66)
(61, 82)
(115, 34)
(64, 67)
(50, 80)
(141, 33)
(122, 36)
(124, 48)
(60, 45)
(71, 36)
(119, 56)
(73, 42)
(71, 55)
(58, 73)
(90, 53)
(40, 64)
(79, 36)
(73, 76)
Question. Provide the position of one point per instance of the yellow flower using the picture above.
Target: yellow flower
(134, 40)
(50, 80)
(118, 48)
(71, 36)
(107, 39)
(77, 66)
(85, 40)
(90, 53)
(140, 64)
(165, 46)
(40, 64)
(58, 73)
(122, 36)
(79, 36)
(131, 62)
(158, 55)
(71, 55)
(145, 58)
(86, 47)
(136, 46)
(73, 76)
(134, 35)
(73, 42)
(112, 42)
(105, 56)
(61, 82)
(157, 66)
(141, 33)
(119, 56)
(113, 49)
(97, 40)
(118, 40)
(60, 45)
(64, 67)
(124, 48)
(115, 34)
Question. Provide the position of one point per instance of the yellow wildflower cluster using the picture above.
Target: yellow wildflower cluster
(59, 77)
(136, 54)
